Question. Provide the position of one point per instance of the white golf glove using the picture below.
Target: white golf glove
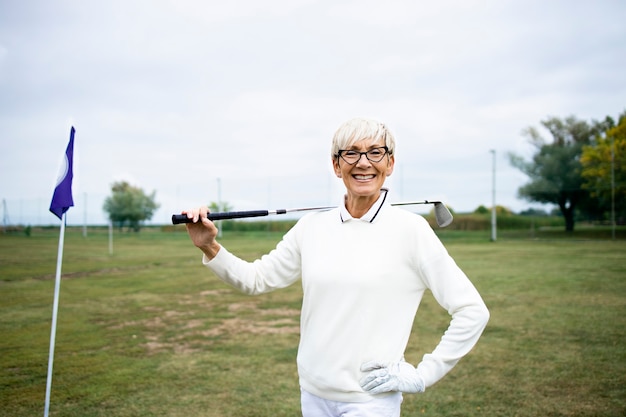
(391, 376)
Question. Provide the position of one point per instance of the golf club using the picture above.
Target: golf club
(443, 217)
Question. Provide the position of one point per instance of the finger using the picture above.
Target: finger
(196, 214)
(375, 377)
(189, 213)
(365, 381)
(386, 387)
(373, 383)
(208, 223)
(372, 365)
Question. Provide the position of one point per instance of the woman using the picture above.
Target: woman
(364, 268)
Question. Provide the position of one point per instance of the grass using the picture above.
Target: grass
(148, 331)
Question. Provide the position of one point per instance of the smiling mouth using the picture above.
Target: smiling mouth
(363, 177)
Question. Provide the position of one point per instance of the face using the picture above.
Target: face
(364, 178)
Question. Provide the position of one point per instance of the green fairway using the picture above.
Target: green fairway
(148, 331)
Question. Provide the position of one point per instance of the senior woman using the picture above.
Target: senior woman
(364, 268)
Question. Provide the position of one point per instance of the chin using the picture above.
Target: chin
(364, 191)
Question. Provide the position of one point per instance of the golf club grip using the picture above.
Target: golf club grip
(182, 218)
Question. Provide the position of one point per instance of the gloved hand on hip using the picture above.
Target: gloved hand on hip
(391, 376)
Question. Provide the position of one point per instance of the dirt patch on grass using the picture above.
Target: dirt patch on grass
(182, 332)
(237, 325)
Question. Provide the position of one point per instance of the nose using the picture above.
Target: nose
(363, 159)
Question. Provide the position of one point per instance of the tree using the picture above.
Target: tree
(604, 169)
(534, 212)
(555, 170)
(129, 205)
(217, 207)
(481, 210)
(500, 210)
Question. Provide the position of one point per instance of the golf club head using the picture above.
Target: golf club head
(443, 217)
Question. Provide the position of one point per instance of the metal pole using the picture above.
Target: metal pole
(110, 237)
(5, 216)
(493, 197)
(55, 312)
(219, 204)
(85, 217)
(612, 188)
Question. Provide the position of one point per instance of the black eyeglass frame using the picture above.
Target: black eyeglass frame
(341, 151)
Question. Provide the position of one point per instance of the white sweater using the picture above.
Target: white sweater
(362, 283)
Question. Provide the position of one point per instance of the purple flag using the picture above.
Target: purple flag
(62, 198)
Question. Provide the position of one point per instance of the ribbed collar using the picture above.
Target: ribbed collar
(371, 213)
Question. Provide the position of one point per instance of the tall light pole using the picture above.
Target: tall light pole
(493, 197)
(612, 188)
(85, 217)
(219, 204)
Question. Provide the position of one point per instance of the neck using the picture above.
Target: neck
(357, 206)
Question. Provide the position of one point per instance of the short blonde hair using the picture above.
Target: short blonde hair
(358, 129)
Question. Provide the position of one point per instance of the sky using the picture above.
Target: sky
(203, 101)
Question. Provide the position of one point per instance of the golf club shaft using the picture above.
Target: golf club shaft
(442, 214)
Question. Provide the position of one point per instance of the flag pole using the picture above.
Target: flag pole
(55, 310)
(61, 202)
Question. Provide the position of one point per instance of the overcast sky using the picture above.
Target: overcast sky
(239, 99)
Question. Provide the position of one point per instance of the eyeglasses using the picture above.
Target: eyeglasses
(374, 155)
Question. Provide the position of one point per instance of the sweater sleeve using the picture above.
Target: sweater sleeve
(278, 269)
(455, 293)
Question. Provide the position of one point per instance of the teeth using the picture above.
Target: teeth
(363, 177)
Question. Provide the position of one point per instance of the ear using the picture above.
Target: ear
(390, 165)
(336, 167)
